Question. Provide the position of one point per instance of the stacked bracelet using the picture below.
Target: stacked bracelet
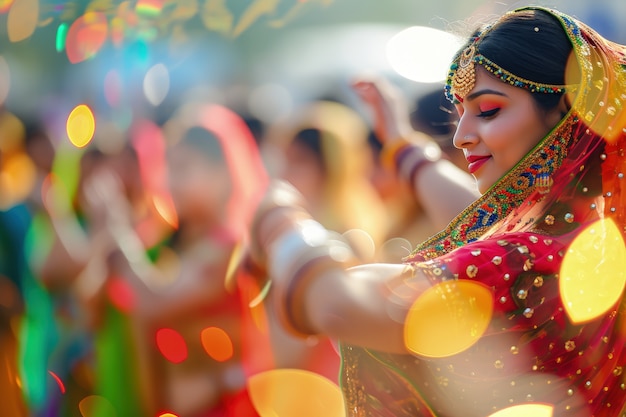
(407, 158)
(295, 259)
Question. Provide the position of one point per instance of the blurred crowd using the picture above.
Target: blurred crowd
(123, 284)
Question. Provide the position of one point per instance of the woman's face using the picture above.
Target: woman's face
(498, 125)
(199, 186)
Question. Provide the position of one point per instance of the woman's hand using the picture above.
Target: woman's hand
(390, 111)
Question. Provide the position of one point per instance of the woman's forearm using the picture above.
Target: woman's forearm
(444, 191)
(357, 306)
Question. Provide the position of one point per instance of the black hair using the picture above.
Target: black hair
(433, 114)
(531, 44)
(311, 138)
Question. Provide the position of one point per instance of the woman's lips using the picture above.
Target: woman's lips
(476, 161)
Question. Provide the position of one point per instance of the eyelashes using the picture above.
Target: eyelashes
(489, 113)
(488, 109)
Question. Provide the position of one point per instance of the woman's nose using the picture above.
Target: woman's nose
(464, 137)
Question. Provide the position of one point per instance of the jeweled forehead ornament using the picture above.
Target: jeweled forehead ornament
(462, 75)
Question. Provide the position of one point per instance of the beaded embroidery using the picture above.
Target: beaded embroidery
(508, 194)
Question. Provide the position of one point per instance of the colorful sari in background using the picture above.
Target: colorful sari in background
(530, 277)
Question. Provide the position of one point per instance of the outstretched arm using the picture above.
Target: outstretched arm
(442, 188)
(315, 287)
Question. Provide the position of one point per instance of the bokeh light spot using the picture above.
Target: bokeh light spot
(5, 79)
(86, 36)
(149, 8)
(295, 392)
(171, 345)
(5, 5)
(81, 126)
(448, 318)
(22, 19)
(535, 410)
(17, 178)
(593, 272)
(121, 294)
(156, 84)
(362, 243)
(95, 405)
(61, 37)
(422, 41)
(217, 343)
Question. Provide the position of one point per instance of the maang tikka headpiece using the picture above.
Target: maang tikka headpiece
(462, 75)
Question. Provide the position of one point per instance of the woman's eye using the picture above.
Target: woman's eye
(489, 113)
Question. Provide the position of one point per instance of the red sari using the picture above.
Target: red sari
(512, 242)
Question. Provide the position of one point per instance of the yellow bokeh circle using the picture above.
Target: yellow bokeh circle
(593, 271)
(295, 392)
(448, 318)
(81, 126)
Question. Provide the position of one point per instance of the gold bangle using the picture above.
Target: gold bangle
(390, 151)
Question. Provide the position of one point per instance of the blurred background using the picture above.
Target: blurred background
(136, 138)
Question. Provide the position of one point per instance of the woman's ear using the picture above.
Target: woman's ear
(565, 104)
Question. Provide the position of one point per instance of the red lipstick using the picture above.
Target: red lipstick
(476, 161)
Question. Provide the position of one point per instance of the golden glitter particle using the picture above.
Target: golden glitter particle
(502, 242)
(559, 359)
(522, 294)
(529, 397)
(514, 350)
(549, 219)
(533, 239)
(588, 384)
(550, 258)
(605, 339)
(547, 242)
(622, 386)
(497, 260)
(579, 371)
(570, 392)
(610, 355)
(507, 277)
(522, 249)
(617, 371)
(528, 312)
(569, 217)
(498, 364)
(570, 345)
(471, 271)
(512, 383)
(476, 252)
(538, 282)
(528, 265)
(502, 300)
(605, 389)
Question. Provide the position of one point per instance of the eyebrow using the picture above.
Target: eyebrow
(479, 93)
